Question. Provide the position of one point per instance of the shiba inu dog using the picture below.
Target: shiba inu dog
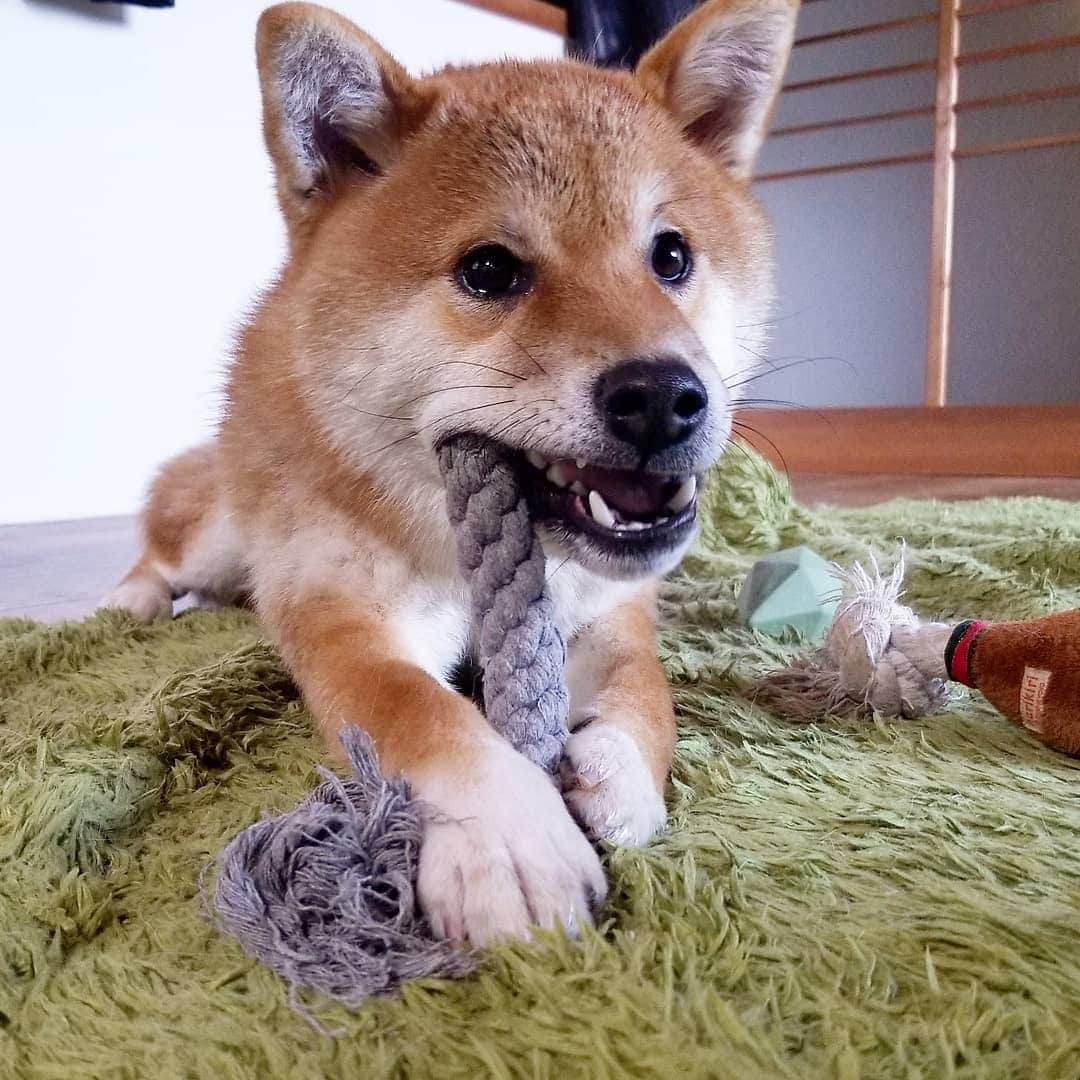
(547, 254)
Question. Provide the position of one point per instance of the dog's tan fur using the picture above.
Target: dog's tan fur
(321, 496)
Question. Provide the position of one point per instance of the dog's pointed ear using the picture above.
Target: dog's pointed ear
(336, 106)
(719, 71)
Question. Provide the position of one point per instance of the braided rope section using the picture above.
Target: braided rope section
(521, 650)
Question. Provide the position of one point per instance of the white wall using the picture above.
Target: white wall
(138, 222)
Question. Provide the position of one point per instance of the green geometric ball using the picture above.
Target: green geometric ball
(790, 589)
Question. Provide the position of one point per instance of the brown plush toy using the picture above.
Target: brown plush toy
(878, 657)
(1030, 671)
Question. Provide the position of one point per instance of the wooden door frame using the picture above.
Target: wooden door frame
(537, 12)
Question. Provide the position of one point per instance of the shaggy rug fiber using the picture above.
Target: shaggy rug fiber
(879, 899)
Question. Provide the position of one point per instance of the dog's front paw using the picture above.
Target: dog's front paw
(609, 788)
(501, 854)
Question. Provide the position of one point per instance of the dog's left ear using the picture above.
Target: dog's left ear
(719, 71)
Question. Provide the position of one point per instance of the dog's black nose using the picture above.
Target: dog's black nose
(651, 404)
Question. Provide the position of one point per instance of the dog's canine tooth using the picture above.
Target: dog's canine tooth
(602, 515)
(581, 463)
(537, 461)
(557, 475)
(683, 496)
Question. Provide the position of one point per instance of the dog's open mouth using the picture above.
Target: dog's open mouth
(625, 509)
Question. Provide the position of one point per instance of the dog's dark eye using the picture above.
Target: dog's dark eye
(671, 260)
(493, 272)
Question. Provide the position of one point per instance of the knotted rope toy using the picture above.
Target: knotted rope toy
(878, 657)
(325, 894)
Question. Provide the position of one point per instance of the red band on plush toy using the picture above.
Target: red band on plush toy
(959, 650)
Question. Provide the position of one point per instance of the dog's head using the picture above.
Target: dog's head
(564, 259)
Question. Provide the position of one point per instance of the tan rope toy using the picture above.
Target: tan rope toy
(878, 657)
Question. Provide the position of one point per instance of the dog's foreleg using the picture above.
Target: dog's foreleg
(619, 754)
(500, 853)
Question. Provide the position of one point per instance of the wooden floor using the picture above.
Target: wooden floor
(61, 570)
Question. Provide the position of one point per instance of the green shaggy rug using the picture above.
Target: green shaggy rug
(889, 899)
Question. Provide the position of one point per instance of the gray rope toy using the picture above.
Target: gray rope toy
(325, 894)
(521, 650)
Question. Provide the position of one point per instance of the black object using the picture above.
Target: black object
(617, 33)
(652, 404)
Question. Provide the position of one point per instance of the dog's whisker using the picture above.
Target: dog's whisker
(772, 320)
(528, 435)
(367, 374)
(787, 363)
(766, 402)
(448, 389)
(745, 430)
(735, 444)
(377, 415)
(443, 420)
(509, 423)
(419, 397)
(685, 198)
(753, 371)
(557, 569)
(750, 369)
(473, 363)
(505, 430)
(752, 404)
(763, 358)
(502, 431)
(537, 422)
(397, 442)
(517, 344)
(461, 412)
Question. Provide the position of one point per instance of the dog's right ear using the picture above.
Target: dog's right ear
(719, 72)
(336, 107)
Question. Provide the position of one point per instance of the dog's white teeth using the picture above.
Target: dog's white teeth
(578, 488)
(634, 526)
(581, 463)
(537, 461)
(600, 511)
(557, 475)
(684, 496)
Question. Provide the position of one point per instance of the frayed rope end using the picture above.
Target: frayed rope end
(876, 657)
(325, 894)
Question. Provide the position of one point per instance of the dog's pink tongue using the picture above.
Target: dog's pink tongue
(635, 494)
